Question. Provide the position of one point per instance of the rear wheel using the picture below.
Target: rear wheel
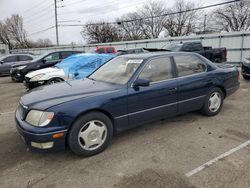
(213, 102)
(90, 134)
(54, 80)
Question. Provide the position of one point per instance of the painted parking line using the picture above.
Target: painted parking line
(3, 113)
(209, 163)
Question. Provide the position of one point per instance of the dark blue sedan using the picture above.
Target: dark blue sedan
(125, 92)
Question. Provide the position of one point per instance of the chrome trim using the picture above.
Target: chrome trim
(42, 134)
(170, 104)
(25, 107)
(232, 87)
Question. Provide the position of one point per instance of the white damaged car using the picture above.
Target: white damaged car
(74, 67)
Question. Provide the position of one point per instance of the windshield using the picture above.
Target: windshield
(118, 70)
(173, 47)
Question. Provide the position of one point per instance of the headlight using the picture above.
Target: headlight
(39, 118)
(21, 67)
(37, 77)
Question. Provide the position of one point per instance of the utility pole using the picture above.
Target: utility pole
(205, 21)
(56, 23)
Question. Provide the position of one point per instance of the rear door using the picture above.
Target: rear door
(6, 63)
(24, 58)
(159, 98)
(193, 82)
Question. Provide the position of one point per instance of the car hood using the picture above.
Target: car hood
(49, 70)
(18, 64)
(47, 96)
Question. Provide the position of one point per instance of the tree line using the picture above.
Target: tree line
(147, 23)
(13, 34)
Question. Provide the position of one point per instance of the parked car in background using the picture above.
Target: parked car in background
(139, 50)
(19, 70)
(245, 68)
(74, 67)
(217, 55)
(125, 92)
(105, 50)
(7, 61)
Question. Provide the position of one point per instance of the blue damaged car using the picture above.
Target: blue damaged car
(127, 91)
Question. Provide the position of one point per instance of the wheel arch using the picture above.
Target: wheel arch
(95, 110)
(222, 89)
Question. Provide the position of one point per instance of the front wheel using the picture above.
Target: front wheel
(90, 134)
(54, 81)
(213, 102)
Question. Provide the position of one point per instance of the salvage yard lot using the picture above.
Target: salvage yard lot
(154, 155)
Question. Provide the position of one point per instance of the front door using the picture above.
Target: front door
(157, 100)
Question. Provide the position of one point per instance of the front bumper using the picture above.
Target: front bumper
(16, 75)
(31, 85)
(245, 69)
(40, 141)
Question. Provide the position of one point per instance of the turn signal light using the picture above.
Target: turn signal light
(58, 135)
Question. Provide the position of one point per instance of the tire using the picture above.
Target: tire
(90, 134)
(210, 109)
(246, 77)
(54, 81)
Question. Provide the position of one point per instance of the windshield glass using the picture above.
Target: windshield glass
(173, 47)
(118, 70)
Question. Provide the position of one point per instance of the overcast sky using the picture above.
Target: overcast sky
(39, 14)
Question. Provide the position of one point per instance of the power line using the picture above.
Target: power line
(40, 13)
(34, 7)
(157, 16)
(41, 31)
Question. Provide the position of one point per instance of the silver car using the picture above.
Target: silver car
(8, 60)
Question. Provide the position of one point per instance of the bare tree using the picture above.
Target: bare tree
(182, 23)
(152, 21)
(132, 27)
(43, 42)
(234, 17)
(16, 30)
(101, 32)
(5, 36)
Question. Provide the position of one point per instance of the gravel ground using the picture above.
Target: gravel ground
(154, 155)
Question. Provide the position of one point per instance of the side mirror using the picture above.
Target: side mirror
(44, 60)
(1, 62)
(141, 82)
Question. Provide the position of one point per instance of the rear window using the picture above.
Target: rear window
(189, 65)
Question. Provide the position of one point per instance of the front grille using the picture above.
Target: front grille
(27, 79)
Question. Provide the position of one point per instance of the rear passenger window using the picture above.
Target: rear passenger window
(24, 58)
(188, 65)
(66, 54)
(110, 50)
(157, 70)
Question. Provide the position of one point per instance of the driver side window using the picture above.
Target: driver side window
(52, 57)
(157, 70)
